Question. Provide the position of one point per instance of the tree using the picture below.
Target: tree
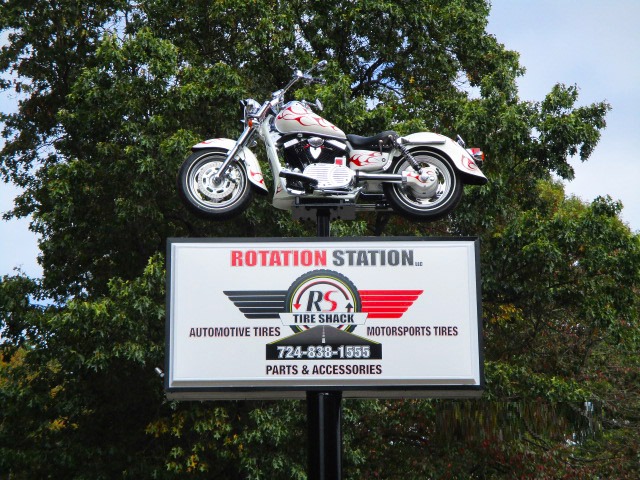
(114, 93)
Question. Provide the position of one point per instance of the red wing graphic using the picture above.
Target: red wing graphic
(376, 303)
(387, 303)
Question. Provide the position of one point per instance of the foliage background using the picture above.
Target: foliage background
(115, 92)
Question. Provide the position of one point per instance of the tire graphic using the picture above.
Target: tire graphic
(322, 291)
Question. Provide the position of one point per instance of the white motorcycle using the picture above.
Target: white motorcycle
(315, 165)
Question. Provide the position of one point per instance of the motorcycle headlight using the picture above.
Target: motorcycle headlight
(250, 108)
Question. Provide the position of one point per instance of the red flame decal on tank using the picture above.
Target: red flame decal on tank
(304, 116)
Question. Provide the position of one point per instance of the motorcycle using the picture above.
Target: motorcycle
(316, 165)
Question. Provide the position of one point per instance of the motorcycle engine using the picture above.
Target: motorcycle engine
(302, 151)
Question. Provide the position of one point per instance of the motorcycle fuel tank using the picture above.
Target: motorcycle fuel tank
(296, 118)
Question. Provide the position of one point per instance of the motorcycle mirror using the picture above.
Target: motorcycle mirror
(321, 65)
(319, 105)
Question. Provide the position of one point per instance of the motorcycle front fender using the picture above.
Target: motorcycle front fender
(254, 171)
(461, 159)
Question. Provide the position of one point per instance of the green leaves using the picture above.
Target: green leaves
(565, 130)
(86, 386)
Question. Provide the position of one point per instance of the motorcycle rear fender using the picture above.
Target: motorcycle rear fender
(250, 161)
(460, 158)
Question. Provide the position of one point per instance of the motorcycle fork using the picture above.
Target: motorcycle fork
(272, 155)
(243, 140)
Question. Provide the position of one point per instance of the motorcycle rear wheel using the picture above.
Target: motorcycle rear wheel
(203, 195)
(411, 204)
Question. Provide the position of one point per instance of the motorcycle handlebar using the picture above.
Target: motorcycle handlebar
(306, 77)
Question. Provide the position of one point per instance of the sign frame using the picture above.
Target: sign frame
(353, 387)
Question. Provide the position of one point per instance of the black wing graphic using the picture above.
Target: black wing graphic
(259, 304)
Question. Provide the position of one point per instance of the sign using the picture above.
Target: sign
(275, 318)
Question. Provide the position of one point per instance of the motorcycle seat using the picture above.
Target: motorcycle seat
(371, 143)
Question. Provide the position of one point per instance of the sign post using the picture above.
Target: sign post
(323, 319)
(324, 434)
(324, 411)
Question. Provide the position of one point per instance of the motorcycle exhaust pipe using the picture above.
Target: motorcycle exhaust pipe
(380, 177)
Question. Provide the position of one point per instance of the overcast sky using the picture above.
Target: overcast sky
(589, 43)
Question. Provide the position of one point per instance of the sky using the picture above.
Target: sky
(589, 43)
(595, 45)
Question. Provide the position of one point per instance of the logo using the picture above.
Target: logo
(323, 298)
(323, 308)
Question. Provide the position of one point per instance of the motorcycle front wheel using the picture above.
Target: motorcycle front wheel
(208, 197)
(425, 204)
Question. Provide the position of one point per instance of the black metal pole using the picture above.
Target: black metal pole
(324, 411)
(323, 222)
(324, 417)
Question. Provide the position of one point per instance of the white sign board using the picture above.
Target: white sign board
(275, 318)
